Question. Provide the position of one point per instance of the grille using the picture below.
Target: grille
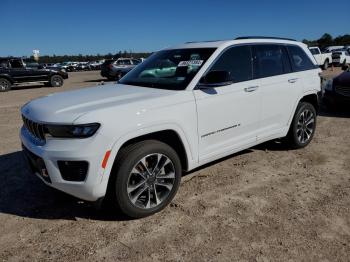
(343, 90)
(37, 130)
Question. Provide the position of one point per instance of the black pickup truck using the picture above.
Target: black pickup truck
(14, 72)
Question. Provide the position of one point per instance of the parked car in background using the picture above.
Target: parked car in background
(69, 66)
(322, 59)
(131, 141)
(337, 90)
(340, 57)
(83, 66)
(14, 72)
(96, 65)
(116, 69)
(332, 48)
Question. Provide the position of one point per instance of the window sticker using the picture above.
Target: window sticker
(191, 63)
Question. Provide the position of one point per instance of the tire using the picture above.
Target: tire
(56, 81)
(137, 192)
(325, 65)
(344, 63)
(303, 126)
(5, 85)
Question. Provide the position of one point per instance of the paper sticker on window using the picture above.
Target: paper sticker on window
(191, 63)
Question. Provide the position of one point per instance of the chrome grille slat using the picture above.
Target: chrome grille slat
(35, 129)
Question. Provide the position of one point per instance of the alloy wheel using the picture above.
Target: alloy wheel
(305, 126)
(151, 181)
(3, 85)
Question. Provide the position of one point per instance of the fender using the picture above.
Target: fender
(191, 159)
(8, 77)
(306, 93)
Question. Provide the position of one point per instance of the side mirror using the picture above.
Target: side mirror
(215, 79)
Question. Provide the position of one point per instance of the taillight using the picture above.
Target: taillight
(110, 66)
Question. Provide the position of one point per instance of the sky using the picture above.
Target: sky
(92, 27)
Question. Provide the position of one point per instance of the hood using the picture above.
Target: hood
(343, 79)
(66, 107)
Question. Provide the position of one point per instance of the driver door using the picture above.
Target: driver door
(229, 115)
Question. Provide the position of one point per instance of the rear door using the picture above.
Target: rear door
(280, 87)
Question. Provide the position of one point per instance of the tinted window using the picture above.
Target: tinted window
(270, 60)
(16, 63)
(136, 62)
(300, 60)
(237, 61)
(315, 51)
(123, 62)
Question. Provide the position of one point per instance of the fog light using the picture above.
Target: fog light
(73, 170)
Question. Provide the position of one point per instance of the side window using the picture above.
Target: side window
(16, 63)
(300, 60)
(315, 51)
(237, 61)
(270, 60)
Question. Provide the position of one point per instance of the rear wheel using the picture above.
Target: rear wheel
(5, 85)
(344, 63)
(146, 179)
(326, 64)
(303, 126)
(56, 81)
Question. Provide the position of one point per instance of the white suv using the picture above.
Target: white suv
(183, 107)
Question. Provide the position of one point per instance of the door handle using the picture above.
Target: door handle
(251, 88)
(292, 80)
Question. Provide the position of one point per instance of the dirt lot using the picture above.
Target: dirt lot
(264, 204)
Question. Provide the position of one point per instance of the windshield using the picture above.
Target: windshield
(169, 69)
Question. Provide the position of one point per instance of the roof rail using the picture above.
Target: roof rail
(206, 41)
(263, 37)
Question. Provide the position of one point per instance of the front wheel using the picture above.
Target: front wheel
(303, 126)
(147, 178)
(5, 85)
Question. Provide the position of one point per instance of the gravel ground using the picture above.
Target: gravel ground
(263, 204)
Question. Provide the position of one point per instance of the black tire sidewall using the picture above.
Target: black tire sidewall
(123, 171)
(295, 143)
(9, 85)
(52, 80)
(325, 65)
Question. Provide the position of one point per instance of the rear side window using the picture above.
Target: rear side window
(270, 60)
(237, 61)
(315, 51)
(300, 60)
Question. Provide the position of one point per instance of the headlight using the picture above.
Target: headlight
(329, 85)
(72, 131)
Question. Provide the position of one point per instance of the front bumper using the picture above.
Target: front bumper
(54, 150)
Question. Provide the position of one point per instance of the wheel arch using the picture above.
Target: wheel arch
(168, 136)
(171, 136)
(7, 77)
(312, 99)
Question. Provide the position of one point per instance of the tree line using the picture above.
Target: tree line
(328, 40)
(87, 58)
